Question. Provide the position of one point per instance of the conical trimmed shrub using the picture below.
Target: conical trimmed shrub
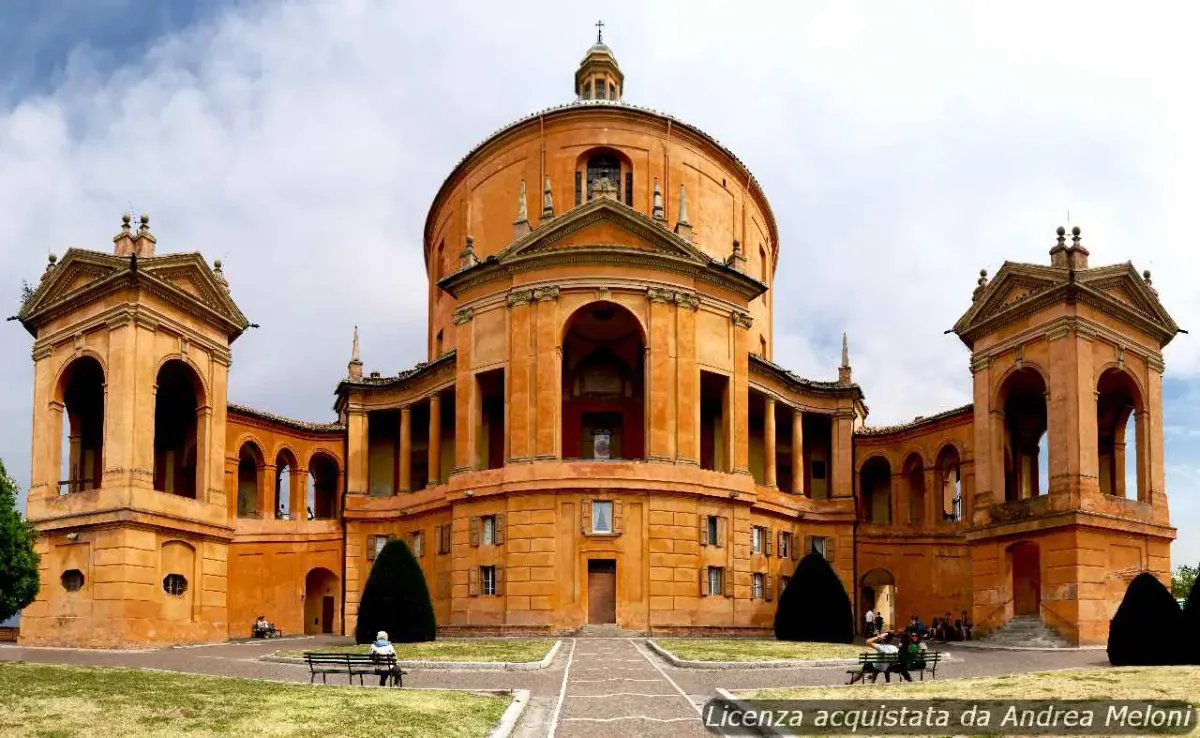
(396, 599)
(1191, 624)
(814, 606)
(1146, 629)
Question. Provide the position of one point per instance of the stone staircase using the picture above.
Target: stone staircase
(1025, 631)
(607, 631)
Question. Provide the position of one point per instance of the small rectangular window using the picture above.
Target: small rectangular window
(418, 544)
(601, 92)
(713, 531)
(818, 545)
(756, 540)
(578, 187)
(602, 516)
(785, 545)
(714, 581)
(489, 530)
(783, 583)
(757, 594)
(443, 542)
(629, 189)
(818, 469)
(375, 546)
(487, 575)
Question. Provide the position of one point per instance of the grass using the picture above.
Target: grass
(1115, 683)
(472, 649)
(739, 649)
(51, 701)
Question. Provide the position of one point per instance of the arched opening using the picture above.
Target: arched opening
(285, 474)
(878, 588)
(949, 468)
(914, 477)
(1118, 408)
(604, 172)
(250, 464)
(1024, 401)
(177, 401)
(321, 612)
(875, 487)
(82, 391)
(1024, 561)
(603, 366)
(322, 487)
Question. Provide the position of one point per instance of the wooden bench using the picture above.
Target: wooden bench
(881, 661)
(352, 664)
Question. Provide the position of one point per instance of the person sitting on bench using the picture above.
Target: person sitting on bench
(261, 628)
(911, 657)
(882, 643)
(380, 650)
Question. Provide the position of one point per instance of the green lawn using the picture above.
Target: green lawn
(467, 649)
(739, 649)
(1128, 682)
(58, 701)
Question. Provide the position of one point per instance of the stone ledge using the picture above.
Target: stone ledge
(451, 665)
(516, 708)
(674, 660)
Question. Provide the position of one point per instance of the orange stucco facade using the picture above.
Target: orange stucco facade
(598, 434)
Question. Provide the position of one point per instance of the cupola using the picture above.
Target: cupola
(599, 77)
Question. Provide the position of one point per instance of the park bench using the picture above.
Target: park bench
(352, 664)
(882, 660)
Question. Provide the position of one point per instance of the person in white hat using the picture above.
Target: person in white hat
(380, 650)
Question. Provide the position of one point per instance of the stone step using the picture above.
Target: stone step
(1027, 631)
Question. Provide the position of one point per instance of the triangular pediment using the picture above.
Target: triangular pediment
(182, 279)
(1019, 288)
(604, 223)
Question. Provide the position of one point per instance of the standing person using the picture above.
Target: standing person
(882, 643)
(878, 623)
(381, 649)
(868, 624)
(966, 626)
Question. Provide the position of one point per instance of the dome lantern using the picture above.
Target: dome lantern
(599, 77)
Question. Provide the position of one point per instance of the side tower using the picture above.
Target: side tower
(131, 358)
(1070, 498)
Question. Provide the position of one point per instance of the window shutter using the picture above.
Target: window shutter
(443, 585)
(768, 595)
(768, 534)
(829, 552)
(704, 530)
(370, 548)
(499, 581)
(727, 577)
(498, 537)
(780, 541)
(585, 516)
(792, 548)
(618, 521)
(629, 189)
(703, 581)
(474, 530)
(721, 528)
(473, 581)
(808, 545)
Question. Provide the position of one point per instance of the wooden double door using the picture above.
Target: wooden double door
(602, 591)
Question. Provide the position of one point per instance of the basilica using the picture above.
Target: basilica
(598, 434)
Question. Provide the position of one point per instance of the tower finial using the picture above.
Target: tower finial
(658, 212)
(354, 368)
(844, 369)
(599, 31)
(547, 201)
(682, 226)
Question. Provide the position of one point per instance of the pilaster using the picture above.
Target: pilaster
(740, 394)
(519, 383)
(548, 356)
(798, 453)
(405, 448)
(769, 445)
(660, 396)
(687, 385)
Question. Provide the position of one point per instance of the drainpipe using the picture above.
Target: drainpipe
(342, 516)
(858, 613)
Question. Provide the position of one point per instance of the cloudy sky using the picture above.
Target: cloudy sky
(903, 147)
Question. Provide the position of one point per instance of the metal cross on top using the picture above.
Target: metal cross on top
(599, 31)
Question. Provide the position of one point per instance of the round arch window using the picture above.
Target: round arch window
(175, 584)
(72, 580)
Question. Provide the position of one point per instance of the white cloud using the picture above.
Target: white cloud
(903, 147)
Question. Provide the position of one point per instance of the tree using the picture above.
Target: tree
(396, 599)
(1146, 629)
(1182, 580)
(18, 561)
(814, 606)
(1191, 625)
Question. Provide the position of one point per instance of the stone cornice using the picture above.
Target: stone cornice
(140, 315)
(375, 393)
(1062, 327)
(761, 367)
(676, 297)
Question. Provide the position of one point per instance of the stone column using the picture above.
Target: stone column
(687, 380)
(769, 449)
(842, 483)
(435, 439)
(797, 452)
(266, 491)
(934, 504)
(740, 391)
(299, 498)
(405, 448)
(357, 452)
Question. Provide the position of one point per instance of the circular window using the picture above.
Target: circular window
(72, 580)
(175, 584)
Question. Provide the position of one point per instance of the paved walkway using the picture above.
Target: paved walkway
(607, 687)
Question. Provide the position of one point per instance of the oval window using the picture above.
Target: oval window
(175, 584)
(72, 580)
